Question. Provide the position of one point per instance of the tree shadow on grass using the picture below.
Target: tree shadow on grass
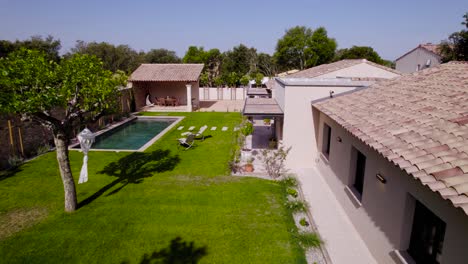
(134, 168)
(178, 252)
(9, 173)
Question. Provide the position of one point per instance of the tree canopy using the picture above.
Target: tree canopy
(302, 48)
(161, 56)
(456, 47)
(49, 45)
(114, 58)
(359, 52)
(58, 95)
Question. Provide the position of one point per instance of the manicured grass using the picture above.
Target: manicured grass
(127, 212)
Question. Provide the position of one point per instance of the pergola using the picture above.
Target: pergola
(265, 108)
(180, 81)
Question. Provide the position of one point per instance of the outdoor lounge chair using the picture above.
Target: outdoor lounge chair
(200, 132)
(148, 100)
(187, 142)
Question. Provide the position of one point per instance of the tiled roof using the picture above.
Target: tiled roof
(335, 66)
(167, 72)
(419, 122)
(434, 48)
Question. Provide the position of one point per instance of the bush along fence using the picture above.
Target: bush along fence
(23, 139)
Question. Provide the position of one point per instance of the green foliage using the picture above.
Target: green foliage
(15, 161)
(211, 59)
(49, 45)
(244, 80)
(359, 52)
(195, 55)
(161, 56)
(204, 79)
(297, 206)
(43, 149)
(302, 48)
(292, 192)
(456, 47)
(247, 129)
(232, 79)
(266, 64)
(303, 222)
(241, 60)
(308, 240)
(273, 160)
(34, 85)
(258, 79)
(114, 58)
(289, 181)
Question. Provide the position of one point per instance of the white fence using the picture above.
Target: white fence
(225, 93)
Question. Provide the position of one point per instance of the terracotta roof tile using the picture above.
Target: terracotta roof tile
(167, 72)
(448, 173)
(417, 121)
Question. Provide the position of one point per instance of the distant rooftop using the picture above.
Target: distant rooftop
(335, 66)
(325, 82)
(434, 48)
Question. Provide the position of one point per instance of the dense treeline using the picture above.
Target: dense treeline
(299, 48)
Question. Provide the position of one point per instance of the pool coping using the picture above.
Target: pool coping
(142, 148)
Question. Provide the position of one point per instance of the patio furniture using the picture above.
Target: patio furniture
(160, 101)
(200, 132)
(187, 142)
(170, 101)
(148, 100)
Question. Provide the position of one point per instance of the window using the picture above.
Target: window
(427, 236)
(359, 173)
(326, 140)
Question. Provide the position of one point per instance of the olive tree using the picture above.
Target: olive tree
(58, 96)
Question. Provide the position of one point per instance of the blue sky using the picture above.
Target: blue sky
(390, 27)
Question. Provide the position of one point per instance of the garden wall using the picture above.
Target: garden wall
(23, 138)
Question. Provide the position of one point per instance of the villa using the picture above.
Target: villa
(422, 57)
(395, 156)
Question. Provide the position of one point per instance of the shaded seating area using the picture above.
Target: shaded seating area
(171, 87)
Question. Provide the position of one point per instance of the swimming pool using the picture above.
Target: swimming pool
(137, 134)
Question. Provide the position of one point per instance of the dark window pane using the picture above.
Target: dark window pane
(360, 170)
(326, 140)
(427, 236)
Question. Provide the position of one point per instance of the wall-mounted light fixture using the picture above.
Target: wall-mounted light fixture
(381, 178)
(338, 139)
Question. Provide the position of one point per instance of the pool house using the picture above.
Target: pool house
(166, 87)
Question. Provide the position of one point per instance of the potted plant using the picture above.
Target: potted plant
(248, 167)
(267, 121)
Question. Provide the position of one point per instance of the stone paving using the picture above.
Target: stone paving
(222, 106)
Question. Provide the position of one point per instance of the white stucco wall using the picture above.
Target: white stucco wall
(360, 70)
(410, 61)
(385, 216)
(298, 127)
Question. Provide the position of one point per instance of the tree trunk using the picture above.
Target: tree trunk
(61, 144)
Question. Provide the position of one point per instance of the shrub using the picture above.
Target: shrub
(303, 222)
(274, 161)
(14, 161)
(247, 129)
(43, 149)
(289, 181)
(292, 192)
(296, 206)
(308, 240)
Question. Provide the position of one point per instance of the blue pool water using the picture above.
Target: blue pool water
(132, 135)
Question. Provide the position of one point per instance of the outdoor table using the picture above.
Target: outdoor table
(170, 101)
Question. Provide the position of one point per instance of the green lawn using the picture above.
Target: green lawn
(127, 212)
